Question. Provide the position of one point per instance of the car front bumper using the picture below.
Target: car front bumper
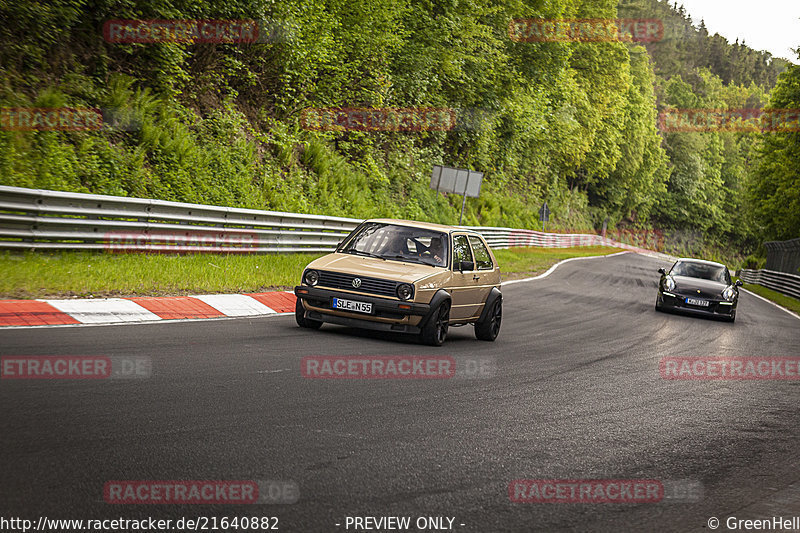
(677, 302)
(387, 315)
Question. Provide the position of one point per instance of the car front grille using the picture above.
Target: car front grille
(337, 280)
(692, 293)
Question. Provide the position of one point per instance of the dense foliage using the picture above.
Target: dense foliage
(775, 189)
(570, 123)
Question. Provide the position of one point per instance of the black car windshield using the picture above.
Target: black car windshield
(399, 243)
(700, 270)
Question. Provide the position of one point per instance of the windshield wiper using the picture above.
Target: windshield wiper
(401, 258)
(416, 261)
(367, 254)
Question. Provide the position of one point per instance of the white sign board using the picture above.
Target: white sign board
(457, 180)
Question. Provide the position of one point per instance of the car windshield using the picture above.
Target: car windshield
(699, 270)
(399, 243)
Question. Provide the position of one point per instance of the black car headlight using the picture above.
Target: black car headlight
(311, 277)
(405, 291)
(729, 294)
(669, 284)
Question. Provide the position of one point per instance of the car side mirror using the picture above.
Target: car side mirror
(466, 265)
(662, 270)
(738, 283)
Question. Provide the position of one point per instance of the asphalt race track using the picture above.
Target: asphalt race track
(575, 393)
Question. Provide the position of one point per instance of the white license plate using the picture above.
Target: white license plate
(701, 303)
(350, 305)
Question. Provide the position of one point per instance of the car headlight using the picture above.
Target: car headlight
(669, 284)
(729, 294)
(405, 291)
(311, 277)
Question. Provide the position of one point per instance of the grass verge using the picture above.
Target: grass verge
(516, 263)
(96, 275)
(792, 304)
(86, 275)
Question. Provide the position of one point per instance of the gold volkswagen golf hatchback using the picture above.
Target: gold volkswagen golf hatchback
(405, 277)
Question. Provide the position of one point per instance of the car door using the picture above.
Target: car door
(484, 271)
(464, 289)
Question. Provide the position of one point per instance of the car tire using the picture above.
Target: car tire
(487, 330)
(732, 318)
(435, 329)
(300, 317)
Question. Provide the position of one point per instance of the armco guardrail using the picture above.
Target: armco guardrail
(788, 284)
(512, 238)
(783, 256)
(40, 219)
(34, 219)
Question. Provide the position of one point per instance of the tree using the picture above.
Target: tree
(775, 191)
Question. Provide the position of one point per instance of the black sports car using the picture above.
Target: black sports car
(698, 287)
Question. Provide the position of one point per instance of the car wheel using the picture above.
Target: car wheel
(488, 329)
(300, 317)
(732, 318)
(435, 330)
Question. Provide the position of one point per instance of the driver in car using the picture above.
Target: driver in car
(436, 251)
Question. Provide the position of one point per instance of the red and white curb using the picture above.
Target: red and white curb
(139, 310)
(44, 312)
(31, 313)
(26, 313)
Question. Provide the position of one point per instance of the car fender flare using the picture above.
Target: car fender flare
(440, 296)
(494, 294)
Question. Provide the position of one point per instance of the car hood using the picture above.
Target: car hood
(698, 287)
(360, 265)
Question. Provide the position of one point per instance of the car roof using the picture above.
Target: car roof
(701, 261)
(423, 225)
